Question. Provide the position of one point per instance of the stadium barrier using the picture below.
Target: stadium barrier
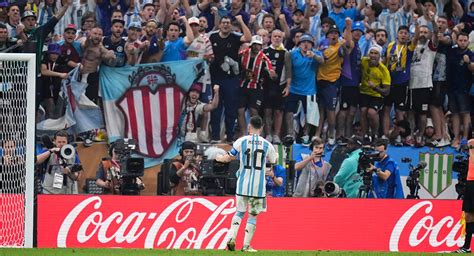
(289, 224)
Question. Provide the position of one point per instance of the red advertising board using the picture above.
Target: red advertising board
(289, 223)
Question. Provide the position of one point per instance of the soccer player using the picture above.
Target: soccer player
(253, 152)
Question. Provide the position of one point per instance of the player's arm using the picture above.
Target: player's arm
(227, 157)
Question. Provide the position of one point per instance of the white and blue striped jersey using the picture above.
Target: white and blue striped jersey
(253, 152)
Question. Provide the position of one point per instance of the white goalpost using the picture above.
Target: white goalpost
(17, 148)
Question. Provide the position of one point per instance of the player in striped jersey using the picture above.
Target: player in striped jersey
(253, 152)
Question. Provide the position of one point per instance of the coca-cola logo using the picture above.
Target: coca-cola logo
(444, 232)
(118, 228)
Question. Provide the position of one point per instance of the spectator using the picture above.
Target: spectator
(301, 66)
(13, 20)
(372, 13)
(175, 46)
(395, 17)
(273, 101)
(225, 72)
(194, 109)
(397, 60)
(421, 83)
(460, 68)
(105, 9)
(375, 84)
(154, 51)
(256, 67)
(314, 171)
(53, 69)
(116, 43)
(134, 48)
(108, 173)
(88, 22)
(328, 78)
(236, 9)
(350, 80)
(339, 14)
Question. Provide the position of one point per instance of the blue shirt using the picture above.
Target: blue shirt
(340, 18)
(277, 191)
(392, 187)
(174, 50)
(303, 80)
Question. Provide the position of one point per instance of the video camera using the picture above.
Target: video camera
(413, 179)
(461, 166)
(131, 168)
(218, 178)
(367, 157)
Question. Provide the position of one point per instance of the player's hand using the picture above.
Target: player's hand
(220, 158)
(286, 91)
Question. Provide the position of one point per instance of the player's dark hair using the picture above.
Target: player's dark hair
(256, 122)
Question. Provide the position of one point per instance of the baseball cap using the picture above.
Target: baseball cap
(298, 11)
(70, 26)
(54, 49)
(306, 38)
(28, 14)
(332, 28)
(196, 87)
(256, 39)
(358, 26)
(193, 20)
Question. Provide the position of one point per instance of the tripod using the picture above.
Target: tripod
(414, 191)
(367, 188)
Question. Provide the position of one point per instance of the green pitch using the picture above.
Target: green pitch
(143, 252)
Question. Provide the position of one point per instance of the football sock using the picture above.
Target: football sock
(250, 229)
(234, 227)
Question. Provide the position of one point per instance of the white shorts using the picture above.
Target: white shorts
(255, 205)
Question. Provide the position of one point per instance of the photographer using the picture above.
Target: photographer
(62, 170)
(314, 171)
(276, 180)
(386, 177)
(108, 173)
(184, 173)
(348, 176)
(468, 202)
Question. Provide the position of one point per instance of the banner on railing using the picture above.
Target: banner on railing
(289, 223)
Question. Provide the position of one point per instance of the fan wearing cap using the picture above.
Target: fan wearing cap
(116, 43)
(70, 49)
(375, 84)
(328, 77)
(194, 109)
(52, 72)
(301, 66)
(349, 81)
(348, 177)
(300, 22)
(256, 67)
(201, 46)
(134, 48)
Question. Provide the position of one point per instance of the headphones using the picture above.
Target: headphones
(315, 142)
(111, 148)
(187, 145)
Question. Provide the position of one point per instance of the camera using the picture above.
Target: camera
(332, 190)
(461, 166)
(367, 157)
(413, 179)
(131, 168)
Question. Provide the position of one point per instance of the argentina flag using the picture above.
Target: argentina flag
(144, 102)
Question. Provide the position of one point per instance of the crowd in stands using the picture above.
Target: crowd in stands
(395, 69)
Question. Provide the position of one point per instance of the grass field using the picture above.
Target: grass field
(143, 252)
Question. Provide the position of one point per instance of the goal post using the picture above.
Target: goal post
(17, 148)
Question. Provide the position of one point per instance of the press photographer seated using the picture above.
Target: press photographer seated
(63, 168)
(108, 174)
(184, 173)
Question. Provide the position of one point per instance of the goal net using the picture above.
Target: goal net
(17, 131)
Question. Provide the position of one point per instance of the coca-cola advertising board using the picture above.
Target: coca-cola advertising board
(288, 224)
